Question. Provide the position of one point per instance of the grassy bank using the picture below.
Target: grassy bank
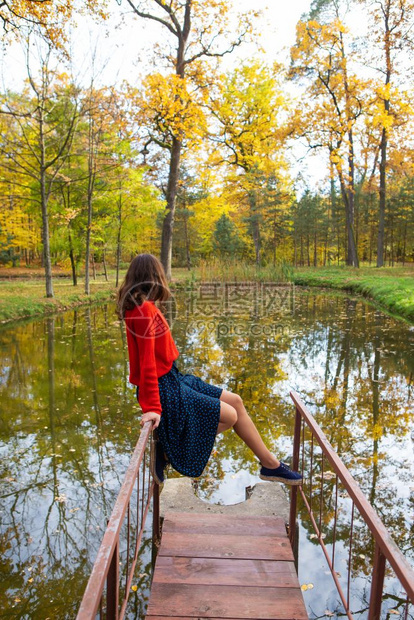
(391, 288)
(26, 298)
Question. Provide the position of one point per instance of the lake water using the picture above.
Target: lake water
(69, 422)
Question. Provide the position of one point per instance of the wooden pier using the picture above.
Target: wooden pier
(236, 562)
(222, 566)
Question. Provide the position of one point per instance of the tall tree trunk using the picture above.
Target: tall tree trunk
(88, 247)
(352, 258)
(187, 242)
(104, 266)
(168, 223)
(72, 260)
(67, 198)
(352, 254)
(404, 244)
(335, 219)
(382, 197)
(348, 187)
(118, 236)
(295, 261)
(47, 263)
(44, 207)
(384, 141)
(254, 226)
(91, 185)
(347, 192)
(256, 239)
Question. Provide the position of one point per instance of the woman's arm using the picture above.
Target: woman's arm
(148, 394)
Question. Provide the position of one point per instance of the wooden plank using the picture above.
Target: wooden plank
(224, 524)
(225, 568)
(219, 546)
(225, 572)
(201, 601)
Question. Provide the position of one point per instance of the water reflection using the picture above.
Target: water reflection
(67, 429)
(69, 422)
(353, 367)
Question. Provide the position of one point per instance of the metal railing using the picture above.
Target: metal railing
(307, 434)
(106, 569)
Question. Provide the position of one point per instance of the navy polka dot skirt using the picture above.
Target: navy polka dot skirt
(189, 420)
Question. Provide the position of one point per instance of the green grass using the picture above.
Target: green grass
(230, 270)
(27, 298)
(391, 288)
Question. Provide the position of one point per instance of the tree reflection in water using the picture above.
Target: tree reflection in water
(69, 422)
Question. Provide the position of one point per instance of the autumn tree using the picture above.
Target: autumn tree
(99, 144)
(227, 242)
(190, 193)
(38, 139)
(247, 109)
(198, 31)
(276, 198)
(48, 17)
(310, 240)
(391, 32)
(320, 56)
(66, 222)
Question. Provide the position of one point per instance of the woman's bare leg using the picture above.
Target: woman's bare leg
(246, 430)
(228, 417)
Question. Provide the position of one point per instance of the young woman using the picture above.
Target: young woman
(187, 411)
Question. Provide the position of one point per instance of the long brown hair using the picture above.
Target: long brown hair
(145, 279)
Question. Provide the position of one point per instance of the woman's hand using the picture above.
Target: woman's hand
(151, 416)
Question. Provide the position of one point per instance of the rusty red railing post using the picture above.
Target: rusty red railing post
(294, 489)
(385, 548)
(156, 524)
(106, 567)
(112, 586)
(156, 514)
(377, 584)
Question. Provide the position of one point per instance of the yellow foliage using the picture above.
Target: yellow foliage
(377, 431)
(206, 212)
(167, 104)
(249, 109)
(15, 228)
(51, 15)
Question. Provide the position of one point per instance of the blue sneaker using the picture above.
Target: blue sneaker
(283, 473)
(160, 463)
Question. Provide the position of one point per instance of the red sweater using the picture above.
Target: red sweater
(151, 351)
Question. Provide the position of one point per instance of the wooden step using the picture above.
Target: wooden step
(221, 566)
